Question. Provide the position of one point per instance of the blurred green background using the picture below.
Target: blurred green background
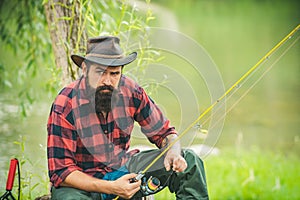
(259, 146)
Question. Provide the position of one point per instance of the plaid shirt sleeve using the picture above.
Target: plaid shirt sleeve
(61, 139)
(152, 121)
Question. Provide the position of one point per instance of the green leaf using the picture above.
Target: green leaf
(30, 64)
(23, 110)
(45, 2)
(29, 98)
(8, 83)
(65, 18)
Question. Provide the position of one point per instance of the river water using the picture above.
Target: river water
(23, 138)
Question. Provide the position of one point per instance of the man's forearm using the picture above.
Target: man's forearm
(88, 183)
(169, 140)
(173, 158)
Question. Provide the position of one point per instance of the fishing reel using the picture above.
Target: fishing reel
(150, 185)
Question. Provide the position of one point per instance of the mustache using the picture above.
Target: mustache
(105, 87)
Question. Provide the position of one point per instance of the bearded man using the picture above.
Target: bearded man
(89, 131)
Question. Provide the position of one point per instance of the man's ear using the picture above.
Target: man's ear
(84, 68)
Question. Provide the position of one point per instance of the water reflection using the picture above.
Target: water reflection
(30, 132)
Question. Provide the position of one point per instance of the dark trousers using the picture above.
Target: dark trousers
(190, 184)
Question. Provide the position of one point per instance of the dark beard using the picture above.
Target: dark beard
(103, 99)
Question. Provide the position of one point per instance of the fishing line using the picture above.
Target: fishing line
(235, 85)
(259, 78)
(250, 71)
(251, 87)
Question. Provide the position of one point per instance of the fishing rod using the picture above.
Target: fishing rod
(251, 87)
(252, 69)
(228, 91)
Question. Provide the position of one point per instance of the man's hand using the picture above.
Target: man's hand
(121, 187)
(173, 158)
(124, 188)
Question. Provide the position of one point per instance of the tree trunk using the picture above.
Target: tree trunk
(68, 35)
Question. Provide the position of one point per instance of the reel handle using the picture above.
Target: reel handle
(137, 178)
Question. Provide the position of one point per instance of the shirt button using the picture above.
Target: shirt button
(105, 131)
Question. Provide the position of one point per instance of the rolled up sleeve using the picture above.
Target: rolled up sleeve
(61, 145)
(151, 119)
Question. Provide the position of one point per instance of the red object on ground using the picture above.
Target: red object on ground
(11, 174)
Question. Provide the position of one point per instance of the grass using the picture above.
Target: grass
(250, 174)
(233, 174)
(253, 174)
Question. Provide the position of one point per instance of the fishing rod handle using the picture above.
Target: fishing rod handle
(132, 180)
(137, 178)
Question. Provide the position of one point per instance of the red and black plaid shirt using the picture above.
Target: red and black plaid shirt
(79, 140)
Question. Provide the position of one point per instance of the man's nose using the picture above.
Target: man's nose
(106, 79)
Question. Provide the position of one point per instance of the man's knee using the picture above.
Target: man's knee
(191, 156)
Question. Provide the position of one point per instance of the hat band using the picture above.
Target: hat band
(104, 56)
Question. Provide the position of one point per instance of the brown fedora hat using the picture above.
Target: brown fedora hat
(104, 50)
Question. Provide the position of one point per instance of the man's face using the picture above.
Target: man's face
(103, 80)
(99, 75)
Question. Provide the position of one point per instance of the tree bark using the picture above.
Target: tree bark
(68, 35)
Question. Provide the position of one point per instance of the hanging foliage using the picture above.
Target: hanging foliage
(46, 34)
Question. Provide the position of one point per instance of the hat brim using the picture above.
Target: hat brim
(105, 61)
